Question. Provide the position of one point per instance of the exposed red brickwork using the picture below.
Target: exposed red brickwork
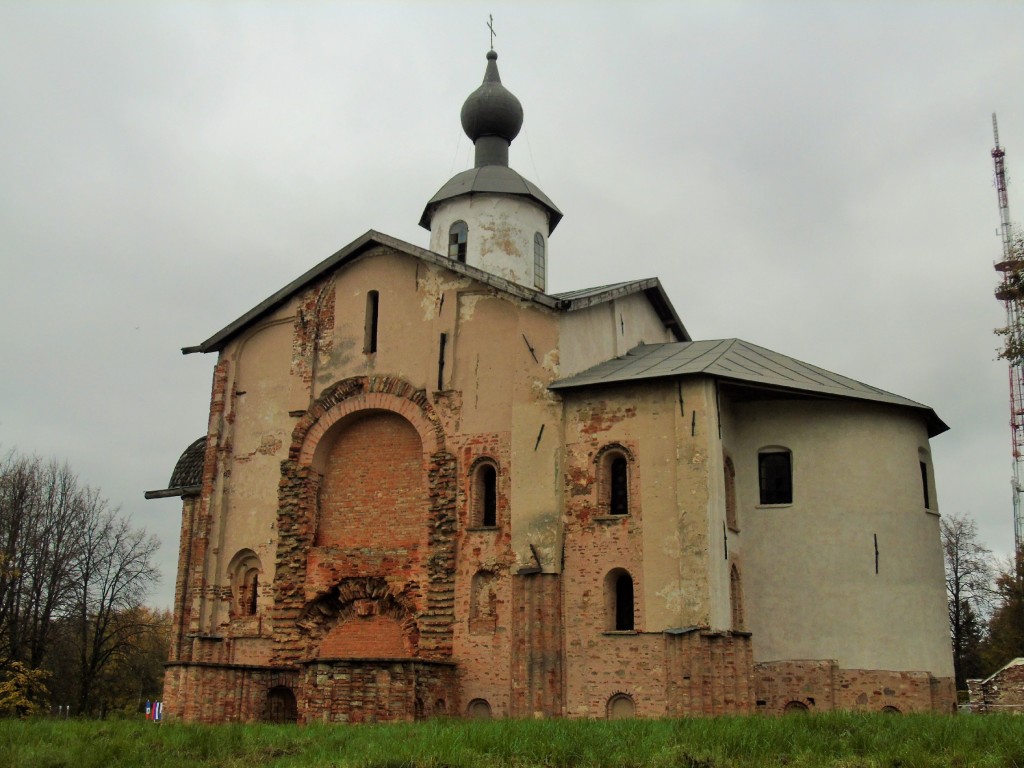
(367, 541)
(365, 637)
(537, 657)
(368, 691)
(312, 335)
(373, 492)
(211, 693)
(823, 685)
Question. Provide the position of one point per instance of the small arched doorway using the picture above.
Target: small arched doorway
(281, 706)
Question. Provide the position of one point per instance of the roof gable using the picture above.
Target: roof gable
(563, 302)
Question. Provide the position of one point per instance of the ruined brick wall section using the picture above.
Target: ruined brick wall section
(375, 690)
(1002, 692)
(297, 518)
(312, 335)
(708, 673)
(186, 545)
(483, 581)
(220, 694)
(821, 685)
(190, 583)
(538, 653)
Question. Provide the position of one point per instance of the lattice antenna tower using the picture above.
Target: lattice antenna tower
(1011, 293)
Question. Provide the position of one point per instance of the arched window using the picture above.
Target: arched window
(619, 603)
(621, 706)
(613, 481)
(775, 475)
(795, 708)
(485, 495)
(736, 597)
(730, 495)
(457, 235)
(244, 572)
(539, 262)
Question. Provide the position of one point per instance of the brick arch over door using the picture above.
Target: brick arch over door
(299, 490)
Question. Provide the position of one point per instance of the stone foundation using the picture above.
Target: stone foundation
(821, 685)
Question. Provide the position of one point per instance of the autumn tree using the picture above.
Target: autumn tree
(968, 593)
(1005, 639)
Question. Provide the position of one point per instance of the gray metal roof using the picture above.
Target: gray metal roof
(739, 361)
(651, 287)
(498, 179)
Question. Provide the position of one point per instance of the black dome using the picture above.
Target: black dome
(492, 110)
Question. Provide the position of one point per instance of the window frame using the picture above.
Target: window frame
(540, 262)
(458, 238)
(484, 496)
(774, 497)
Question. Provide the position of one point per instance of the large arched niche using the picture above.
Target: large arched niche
(344, 418)
(373, 485)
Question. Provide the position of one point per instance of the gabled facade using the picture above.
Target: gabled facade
(430, 487)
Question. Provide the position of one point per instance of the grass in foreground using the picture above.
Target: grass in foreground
(832, 739)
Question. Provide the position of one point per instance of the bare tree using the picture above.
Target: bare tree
(114, 573)
(73, 576)
(968, 592)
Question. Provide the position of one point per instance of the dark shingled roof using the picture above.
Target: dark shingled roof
(187, 477)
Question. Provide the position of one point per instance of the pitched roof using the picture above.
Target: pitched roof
(739, 361)
(563, 302)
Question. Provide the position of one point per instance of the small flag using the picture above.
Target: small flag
(158, 710)
(149, 709)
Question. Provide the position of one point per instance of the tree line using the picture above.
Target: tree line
(74, 575)
(986, 602)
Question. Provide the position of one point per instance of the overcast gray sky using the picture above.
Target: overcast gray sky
(811, 177)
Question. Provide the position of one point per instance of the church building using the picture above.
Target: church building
(429, 487)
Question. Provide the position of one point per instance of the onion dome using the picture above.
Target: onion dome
(492, 110)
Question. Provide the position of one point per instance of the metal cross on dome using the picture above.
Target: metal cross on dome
(490, 26)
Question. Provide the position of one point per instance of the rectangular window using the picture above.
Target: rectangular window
(924, 485)
(775, 472)
(370, 328)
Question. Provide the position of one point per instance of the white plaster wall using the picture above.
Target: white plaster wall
(810, 586)
(501, 230)
(598, 333)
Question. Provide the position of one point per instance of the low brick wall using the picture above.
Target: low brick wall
(1002, 692)
(821, 685)
(217, 693)
(376, 690)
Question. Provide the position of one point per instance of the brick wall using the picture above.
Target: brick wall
(1002, 692)
(369, 690)
(823, 685)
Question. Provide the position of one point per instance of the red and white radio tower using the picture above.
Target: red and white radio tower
(1011, 293)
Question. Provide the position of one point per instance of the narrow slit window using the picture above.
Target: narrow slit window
(539, 262)
(775, 473)
(485, 495)
(624, 603)
(924, 485)
(619, 500)
(370, 328)
(457, 236)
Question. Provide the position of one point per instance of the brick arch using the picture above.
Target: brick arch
(303, 572)
(369, 600)
(365, 393)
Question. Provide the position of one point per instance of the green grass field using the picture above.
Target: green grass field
(815, 740)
